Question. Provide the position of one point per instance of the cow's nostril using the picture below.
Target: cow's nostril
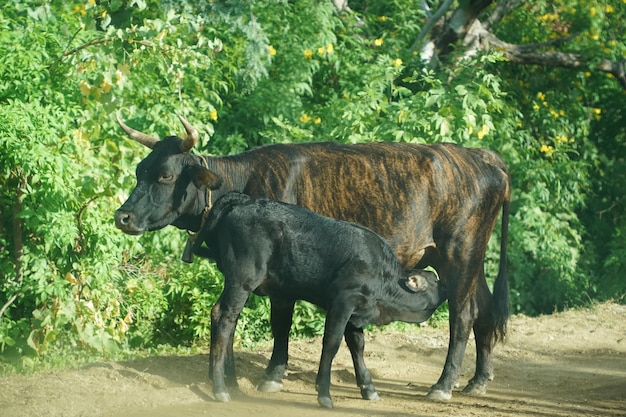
(122, 218)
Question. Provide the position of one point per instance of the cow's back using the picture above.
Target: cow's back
(411, 194)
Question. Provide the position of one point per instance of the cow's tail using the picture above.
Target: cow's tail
(500, 299)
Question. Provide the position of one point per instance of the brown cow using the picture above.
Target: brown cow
(436, 205)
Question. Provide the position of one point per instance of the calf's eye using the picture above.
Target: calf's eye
(166, 178)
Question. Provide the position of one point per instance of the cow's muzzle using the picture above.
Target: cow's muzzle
(124, 222)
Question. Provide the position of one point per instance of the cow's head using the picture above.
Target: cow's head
(172, 184)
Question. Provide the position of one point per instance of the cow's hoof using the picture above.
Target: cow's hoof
(439, 395)
(325, 402)
(369, 394)
(222, 397)
(475, 389)
(269, 386)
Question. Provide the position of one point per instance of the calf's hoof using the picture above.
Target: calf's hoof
(222, 397)
(269, 386)
(474, 388)
(326, 402)
(369, 393)
(439, 395)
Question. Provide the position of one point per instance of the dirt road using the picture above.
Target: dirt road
(567, 364)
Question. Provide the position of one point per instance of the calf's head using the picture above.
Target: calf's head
(428, 290)
(171, 185)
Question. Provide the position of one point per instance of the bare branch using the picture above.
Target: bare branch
(426, 8)
(520, 54)
(341, 5)
(459, 24)
(500, 11)
(86, 45)
(431, 23)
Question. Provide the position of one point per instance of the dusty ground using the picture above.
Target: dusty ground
(567, 364)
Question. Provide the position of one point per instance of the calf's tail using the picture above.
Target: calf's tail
(500, 298)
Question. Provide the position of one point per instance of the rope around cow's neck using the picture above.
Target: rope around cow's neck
(191, 240)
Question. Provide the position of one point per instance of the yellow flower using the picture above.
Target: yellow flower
(397, 62)
(482, 132)
(330, 48)
(308, 54)
(561, 139)
(547, 149)
(106, 86)
(378, 42)
(541, 96)
(597, 113)
(592, 11)
(271, 50)
(609, 9)
(382, 18)
(536, 107)
(587, 74)
(85, 88)
(213, 114)
(317, 120)
(554, 113)
(305, 118)
(321, 50)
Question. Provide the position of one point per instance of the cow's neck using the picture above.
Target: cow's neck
(234, 170)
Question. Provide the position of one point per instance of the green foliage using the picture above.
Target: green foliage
(249, 73)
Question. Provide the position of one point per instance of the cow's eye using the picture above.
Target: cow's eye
(166, 178)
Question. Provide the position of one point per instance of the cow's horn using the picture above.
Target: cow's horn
(192, 135)
(140, 137)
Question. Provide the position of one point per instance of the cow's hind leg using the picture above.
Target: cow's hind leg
(281, 318)
(462, 307)
(356, 343)
(484, 332)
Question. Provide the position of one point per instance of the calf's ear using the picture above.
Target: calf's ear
(416, 283)
(203, 177)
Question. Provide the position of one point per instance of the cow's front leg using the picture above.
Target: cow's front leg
(356, 343)
(224, 316)
(281, 318)
(336, 320)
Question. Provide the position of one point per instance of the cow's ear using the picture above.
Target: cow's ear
(417, 283)
(203, 177)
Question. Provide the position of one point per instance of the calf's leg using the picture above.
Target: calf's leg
(356, 343)
(281, 319)
(224, 316)
(336, 320)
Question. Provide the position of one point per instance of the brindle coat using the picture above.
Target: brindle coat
(436, 205)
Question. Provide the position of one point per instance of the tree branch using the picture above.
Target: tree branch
(520, 54)
(459, 24)
(500, 11)
(430, 23)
